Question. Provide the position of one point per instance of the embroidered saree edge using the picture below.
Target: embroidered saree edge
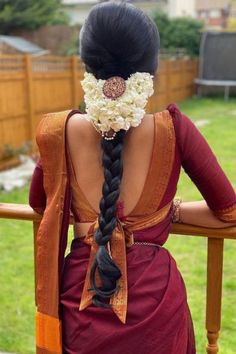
(50, 134)
(227, 214)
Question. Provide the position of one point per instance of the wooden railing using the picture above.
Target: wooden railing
(214, 262)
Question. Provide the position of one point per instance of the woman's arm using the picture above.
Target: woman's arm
(199, 214)
(201, 165)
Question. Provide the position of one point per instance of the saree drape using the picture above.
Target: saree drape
(158, 319)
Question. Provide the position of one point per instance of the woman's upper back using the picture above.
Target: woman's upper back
(148, 155)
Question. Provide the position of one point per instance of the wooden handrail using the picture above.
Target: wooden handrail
(25, 212)
(214, 262)
(18, 212)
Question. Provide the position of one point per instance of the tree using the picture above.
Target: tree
(29, 14)
(180, 32)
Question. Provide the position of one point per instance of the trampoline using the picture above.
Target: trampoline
(217, 61)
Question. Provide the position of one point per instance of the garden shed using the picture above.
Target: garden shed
(19, 45)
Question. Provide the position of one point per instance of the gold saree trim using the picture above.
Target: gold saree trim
(161, 165)
(51, 141)
(227, 215)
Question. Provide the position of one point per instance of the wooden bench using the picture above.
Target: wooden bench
(214, 262)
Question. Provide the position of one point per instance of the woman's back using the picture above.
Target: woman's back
(86, 156)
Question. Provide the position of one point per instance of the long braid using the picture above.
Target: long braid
(108, 271)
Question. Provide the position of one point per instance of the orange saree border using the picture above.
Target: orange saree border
(227, 215)
(50, 138)
(162, 164)
(48, 333)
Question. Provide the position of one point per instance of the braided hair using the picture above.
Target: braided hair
(117, 39)
(113, 168)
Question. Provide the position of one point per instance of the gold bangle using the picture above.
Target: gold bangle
(176, 210)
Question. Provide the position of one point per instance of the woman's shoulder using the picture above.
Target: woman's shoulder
(169, 117)
(181, 122)
(52, 120)
(78, 121)
(176, 122)
(170, 113)
(51, 125)
(78, 124)
(80, 129)
(179, 118)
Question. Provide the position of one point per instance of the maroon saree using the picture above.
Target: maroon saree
(158, 320)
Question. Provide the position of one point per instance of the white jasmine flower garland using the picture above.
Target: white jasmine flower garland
(122, 113)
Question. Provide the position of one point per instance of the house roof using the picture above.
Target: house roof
(211, 4)
(23, 45)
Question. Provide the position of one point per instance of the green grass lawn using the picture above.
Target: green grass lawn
(16, 261)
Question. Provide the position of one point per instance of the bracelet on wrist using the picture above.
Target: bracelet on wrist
(176, 217)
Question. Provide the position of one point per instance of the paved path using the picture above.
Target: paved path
(17, 177)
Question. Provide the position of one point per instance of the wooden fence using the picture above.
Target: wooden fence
(215, 250)
(32, 86)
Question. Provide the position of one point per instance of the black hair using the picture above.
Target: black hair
(117, 39)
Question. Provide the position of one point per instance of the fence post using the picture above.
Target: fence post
(74, 70)
(184, 81)
(168, 81)
(194, 71)
(30, 96)
(214, 292)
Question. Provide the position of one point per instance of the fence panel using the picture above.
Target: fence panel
(32, 86)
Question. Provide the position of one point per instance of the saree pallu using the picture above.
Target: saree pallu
(158, 317)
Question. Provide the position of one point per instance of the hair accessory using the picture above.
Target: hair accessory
(114, 87)
(106, 135)
(116, 104)
(109, 135)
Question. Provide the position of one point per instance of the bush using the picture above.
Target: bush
(71, 47)
(30, 14)
(181, 32)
